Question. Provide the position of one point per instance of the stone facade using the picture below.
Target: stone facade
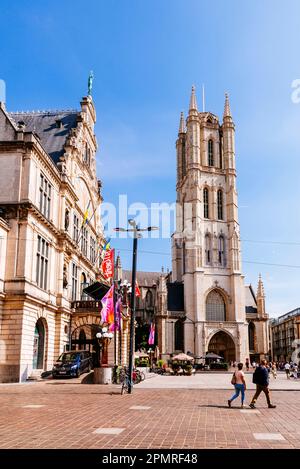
(47, 183)
(285, 336)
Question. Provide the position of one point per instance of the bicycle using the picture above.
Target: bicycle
(126, 383)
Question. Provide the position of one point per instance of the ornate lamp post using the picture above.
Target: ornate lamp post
(136, 231)
(102, 373)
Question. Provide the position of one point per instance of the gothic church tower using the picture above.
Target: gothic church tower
(206, 254)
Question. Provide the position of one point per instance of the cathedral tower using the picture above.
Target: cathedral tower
(206, 254)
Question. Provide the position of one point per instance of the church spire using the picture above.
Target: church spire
(227, 112)
(193, 101)
(181, 124)
(260, 298)
(260, 288)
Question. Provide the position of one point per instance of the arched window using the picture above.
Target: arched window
(207, 249)
(205, 203)
(210, 151)
(221, 250)
(179, 335)
(38, 345)
(82, 338)
(215, 307)
(149, 299)
(220, 204)
(83, 284)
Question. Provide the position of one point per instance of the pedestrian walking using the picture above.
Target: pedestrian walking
(247, 364)
(238, 380)
(274, 370)
(261, 379)
(287, 367)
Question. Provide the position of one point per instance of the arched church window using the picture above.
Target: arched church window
(207, 249)
(210, 149)
(149, 299)
(251, 335)
(215, 307)
(221, 250)
(205, 203)
(220, 204)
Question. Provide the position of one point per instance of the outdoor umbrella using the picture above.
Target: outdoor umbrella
(182, 357)
(212, 355)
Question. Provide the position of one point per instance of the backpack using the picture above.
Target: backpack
(255, 378)
(233, 379)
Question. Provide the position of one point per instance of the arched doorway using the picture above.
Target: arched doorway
(222, 344)
(215, 307)
(38, 346)
(82, 339)
(179, 335)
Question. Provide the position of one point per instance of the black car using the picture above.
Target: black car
(72, 363)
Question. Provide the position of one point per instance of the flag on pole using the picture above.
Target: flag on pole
(151, 334)
(106, 246)
(116, 325)
(137, 289)
(107, 311)
(86, 215)
(107, 265)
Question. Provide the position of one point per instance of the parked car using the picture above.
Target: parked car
(72, 363)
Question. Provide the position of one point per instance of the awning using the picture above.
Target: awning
(97, 290)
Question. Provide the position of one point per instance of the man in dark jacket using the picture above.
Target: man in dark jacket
(261, 379)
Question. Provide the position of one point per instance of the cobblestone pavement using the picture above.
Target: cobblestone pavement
(68, 414)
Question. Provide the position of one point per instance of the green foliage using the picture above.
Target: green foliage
(219, 366)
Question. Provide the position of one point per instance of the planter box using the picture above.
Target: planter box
(103, 375)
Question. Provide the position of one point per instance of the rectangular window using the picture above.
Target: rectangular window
(75, 228)
(92, 250)
(45, 196)
(42, 263)
(74, 281)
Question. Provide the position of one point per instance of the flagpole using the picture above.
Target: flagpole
(115, 321)
(132, 307)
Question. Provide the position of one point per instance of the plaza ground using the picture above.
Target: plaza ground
(163, 412)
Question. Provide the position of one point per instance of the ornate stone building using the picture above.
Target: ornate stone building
(205, 307)
(47, 182)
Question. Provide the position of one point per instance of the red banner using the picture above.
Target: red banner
(107, 265)
(137, 289)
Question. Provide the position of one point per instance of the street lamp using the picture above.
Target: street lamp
(103, 338)
(136, 234)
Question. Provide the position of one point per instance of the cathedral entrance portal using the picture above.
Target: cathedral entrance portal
(222, 344)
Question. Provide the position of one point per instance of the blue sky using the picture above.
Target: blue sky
(145, 56)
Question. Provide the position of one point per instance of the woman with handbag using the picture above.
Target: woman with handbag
(239, 383)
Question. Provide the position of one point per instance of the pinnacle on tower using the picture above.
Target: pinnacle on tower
(118, 261)
(193, 101)
(227, 112)
(260, 288)
(181, 124)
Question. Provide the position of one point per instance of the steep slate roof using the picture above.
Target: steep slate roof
(53, 138)
(250, 300)
(144, 279)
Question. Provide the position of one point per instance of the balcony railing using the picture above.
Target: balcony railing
(91, 305)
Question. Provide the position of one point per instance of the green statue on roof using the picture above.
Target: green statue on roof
(90, 83)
